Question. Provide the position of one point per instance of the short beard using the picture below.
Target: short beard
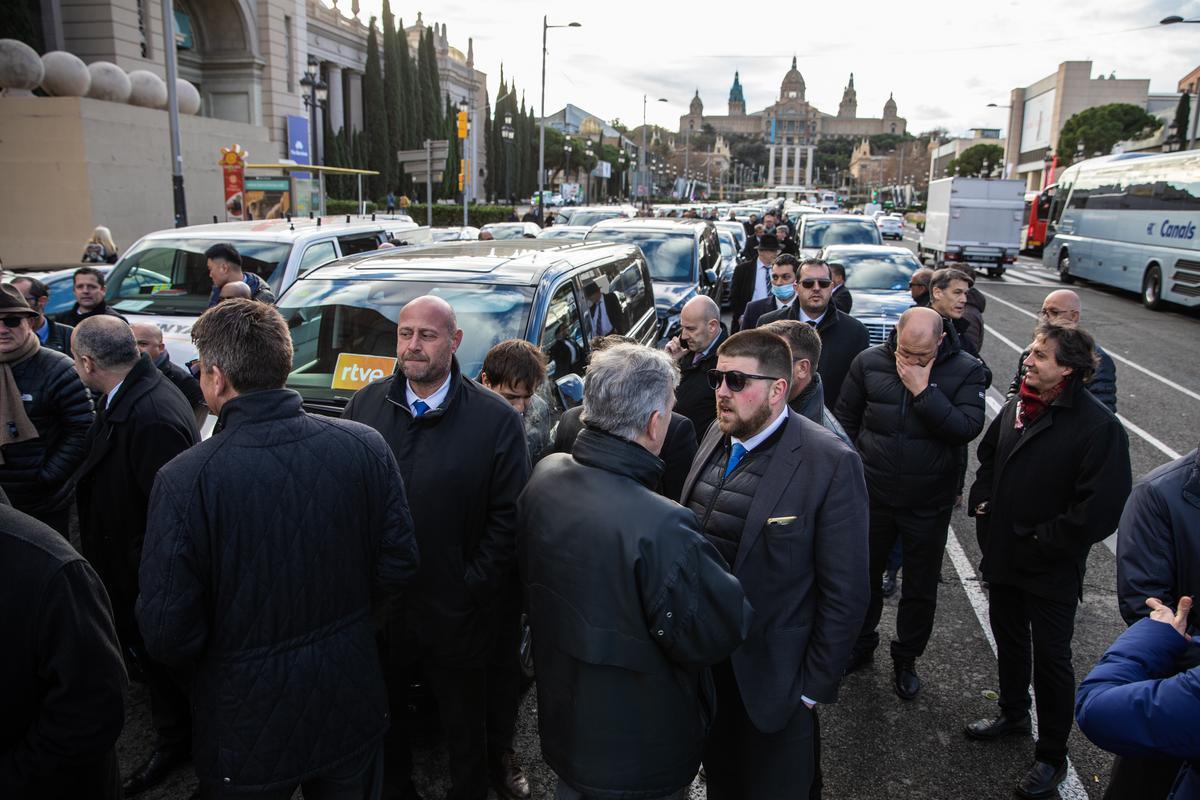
(424, 371)
(745, 427)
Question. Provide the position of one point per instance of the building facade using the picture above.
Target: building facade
(942, 153)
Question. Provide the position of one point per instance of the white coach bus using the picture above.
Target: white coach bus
(1131, 222)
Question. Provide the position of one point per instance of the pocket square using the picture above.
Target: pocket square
(780, 520)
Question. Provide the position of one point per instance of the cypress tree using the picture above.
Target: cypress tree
(392, 93)
(376, 127)
(1183, 117)
(412, 135)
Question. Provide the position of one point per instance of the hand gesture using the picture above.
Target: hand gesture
(1177, 619)
(914, 376)
(675, 348)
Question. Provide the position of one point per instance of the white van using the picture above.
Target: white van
(278, 250)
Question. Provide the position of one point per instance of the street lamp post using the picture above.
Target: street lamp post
(587, 191)
(541, 204)
(506, 132)
(642, 152)
(318, 92)
(567, 152)
(168, 12)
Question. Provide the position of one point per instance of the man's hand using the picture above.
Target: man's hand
(675, 348)
(1177, 619)
(914, 377)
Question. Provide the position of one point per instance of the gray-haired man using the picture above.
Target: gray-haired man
(628, 603)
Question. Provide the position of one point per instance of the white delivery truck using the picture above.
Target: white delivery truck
(974, 222)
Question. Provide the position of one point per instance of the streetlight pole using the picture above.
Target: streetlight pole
(168, 12)
(506, 132)
(642, 153)
(541, 204)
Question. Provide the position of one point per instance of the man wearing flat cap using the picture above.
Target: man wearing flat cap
(752, 278)
(45, 412)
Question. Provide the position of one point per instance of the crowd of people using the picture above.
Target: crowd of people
(737, 502)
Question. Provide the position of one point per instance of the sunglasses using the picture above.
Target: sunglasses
(734, 379)
(12, 322)
(809, 283)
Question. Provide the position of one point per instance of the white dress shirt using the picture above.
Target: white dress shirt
(434, 400)
(762, 279)
(601, 324)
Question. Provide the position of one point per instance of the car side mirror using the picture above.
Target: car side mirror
(710, 276)
(570, 390)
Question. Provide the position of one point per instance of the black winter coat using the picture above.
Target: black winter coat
(741, 288)
(36, 474)
(1053, 490)
(62, 681)
(147, 425)
(73, 316)
(678, 448)
(842, 338)
(912, 447)
(627, 605)
(842, 300)
(1158, 549)
(464, 464)
(694, 398)
(184, 381)
(58, 337)
(1103, 384)
(264, 546)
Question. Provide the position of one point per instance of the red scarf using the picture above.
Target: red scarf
(1033, 404)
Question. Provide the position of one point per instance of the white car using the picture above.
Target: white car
(890, 226)
(565, 232)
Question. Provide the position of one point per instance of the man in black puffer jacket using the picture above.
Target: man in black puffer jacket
(628, 603)
(268, 601)
(910, 405)
(47, 421)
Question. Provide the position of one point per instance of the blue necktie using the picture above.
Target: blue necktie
(739, 452)
(420, 407)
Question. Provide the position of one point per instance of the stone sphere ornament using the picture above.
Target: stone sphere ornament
(21, 69)
(109, 82)
(188, 97)
(147, 89)
(66, 75)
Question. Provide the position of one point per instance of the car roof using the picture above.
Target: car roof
(866, 249)
(834, 217)
(514, 261)
(665, 224)
(552, 228)
(274, 230)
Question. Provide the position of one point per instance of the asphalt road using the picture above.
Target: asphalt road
(874, 744)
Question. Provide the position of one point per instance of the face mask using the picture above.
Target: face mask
(785, 292)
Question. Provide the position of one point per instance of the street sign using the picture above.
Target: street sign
(440, 152)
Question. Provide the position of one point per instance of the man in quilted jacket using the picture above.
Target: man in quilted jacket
(267, 599)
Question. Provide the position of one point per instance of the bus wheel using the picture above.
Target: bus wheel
(1152, 288)
(1064, 268)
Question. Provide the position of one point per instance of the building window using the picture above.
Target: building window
(291, 54)
(143, 19)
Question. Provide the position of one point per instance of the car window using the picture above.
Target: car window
(878, 271)
(583, 217)
(562, 338)
(826, 232)
(358, 243)
(316, 255)
(671, 255)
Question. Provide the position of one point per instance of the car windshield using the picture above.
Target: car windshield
(507, 230)
(170, 276)
(590, 217)
(329, 318)
(551, 233)
(671, 255)
(877, 271)
(825, 232)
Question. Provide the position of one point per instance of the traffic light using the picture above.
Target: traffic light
(462, 124)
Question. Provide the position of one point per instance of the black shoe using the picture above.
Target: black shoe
(906, 682)
(1004, 725)
(153, 771)
(889, 584)
(858, 660)
(1042, 780)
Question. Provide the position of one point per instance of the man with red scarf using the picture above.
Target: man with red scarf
(1053, 477)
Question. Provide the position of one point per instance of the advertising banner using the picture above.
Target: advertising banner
(299, 146)
(233, 169)
(267, 198)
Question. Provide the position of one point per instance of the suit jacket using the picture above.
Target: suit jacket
(842, 299)
(616, 317)
(741, 289)
(755, 310)
(678, 448)
(802, 562)
(842, 339)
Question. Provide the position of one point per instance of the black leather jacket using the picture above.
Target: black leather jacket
(36, 473)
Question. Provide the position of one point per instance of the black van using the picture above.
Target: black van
(343, 315)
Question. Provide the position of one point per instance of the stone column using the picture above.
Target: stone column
(808, 165)
(337, 98)
(355, 101)
(771, 166)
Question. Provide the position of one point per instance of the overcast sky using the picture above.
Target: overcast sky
(944, 62)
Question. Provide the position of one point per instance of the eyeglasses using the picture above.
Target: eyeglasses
(734, 379)
(12, 322)
(809, 283)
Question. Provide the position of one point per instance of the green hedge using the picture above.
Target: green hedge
(443, 215)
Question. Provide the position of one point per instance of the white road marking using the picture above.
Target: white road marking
(1071, 787)
(1116, 356)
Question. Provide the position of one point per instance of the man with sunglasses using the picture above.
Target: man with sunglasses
(784, 502)
(842, 336)
(54, 335)
(910, 405)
